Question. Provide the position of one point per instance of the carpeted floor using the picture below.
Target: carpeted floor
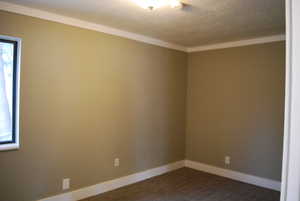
(188, 185)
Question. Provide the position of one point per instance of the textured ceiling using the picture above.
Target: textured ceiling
(205, 22)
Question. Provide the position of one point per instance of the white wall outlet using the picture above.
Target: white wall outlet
(66, 184)
(117, 162)
(227, 160)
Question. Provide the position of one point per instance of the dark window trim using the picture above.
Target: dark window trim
(14, 93)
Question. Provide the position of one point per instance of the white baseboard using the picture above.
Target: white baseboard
(114, 184)
(137, 177)
(246, 178)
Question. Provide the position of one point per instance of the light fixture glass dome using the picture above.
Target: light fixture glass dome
(154, 4)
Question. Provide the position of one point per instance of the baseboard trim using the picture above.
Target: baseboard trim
(114, 184)
(246, 178)
(137, 177)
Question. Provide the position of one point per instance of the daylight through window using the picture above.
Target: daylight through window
(8, 93)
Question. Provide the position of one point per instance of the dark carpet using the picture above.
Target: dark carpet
(189, 185)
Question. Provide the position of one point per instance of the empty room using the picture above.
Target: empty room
(149, 100)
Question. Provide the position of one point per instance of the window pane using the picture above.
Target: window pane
(6, 91)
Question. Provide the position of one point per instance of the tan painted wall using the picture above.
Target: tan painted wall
(235, 107)
(86, 98)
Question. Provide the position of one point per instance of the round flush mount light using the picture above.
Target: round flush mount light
(154, 4)
(175, 3)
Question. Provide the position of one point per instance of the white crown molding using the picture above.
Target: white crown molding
(24, 10)
(114, 184)
(250, 179)
(267, 39)
(10, 7)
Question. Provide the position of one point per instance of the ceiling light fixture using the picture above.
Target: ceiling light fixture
(154, 4)
(175, 3)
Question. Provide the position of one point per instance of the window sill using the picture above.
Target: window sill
(6, 147)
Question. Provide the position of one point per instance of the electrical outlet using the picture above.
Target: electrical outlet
(227, 160)
(66, 184)
(117, 162)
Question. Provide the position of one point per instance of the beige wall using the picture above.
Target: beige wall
(235, 107)
(86, 98)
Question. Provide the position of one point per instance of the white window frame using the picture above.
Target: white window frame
(16, 144)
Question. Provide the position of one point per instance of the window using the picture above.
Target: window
(9, 92)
